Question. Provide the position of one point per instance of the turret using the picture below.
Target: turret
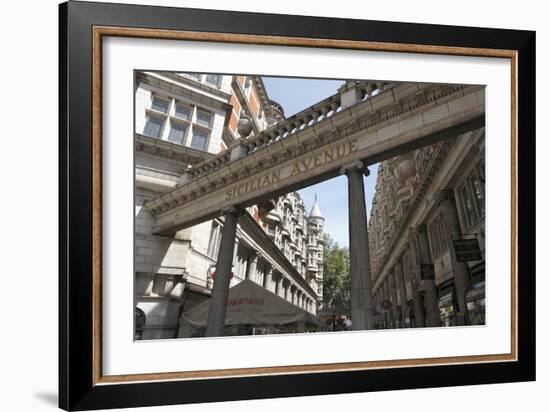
(315, 217)
(316, 239)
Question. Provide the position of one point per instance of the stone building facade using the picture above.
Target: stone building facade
(425, 201)
(183, 119)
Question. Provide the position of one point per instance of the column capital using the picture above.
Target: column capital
(253, 254)
(358, 165)
(231, 211)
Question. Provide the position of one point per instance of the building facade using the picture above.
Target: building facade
(183, 119)
(428, 206)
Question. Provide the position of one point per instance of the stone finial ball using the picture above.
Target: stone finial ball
(244, 127)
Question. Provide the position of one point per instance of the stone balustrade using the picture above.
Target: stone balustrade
(317, 113)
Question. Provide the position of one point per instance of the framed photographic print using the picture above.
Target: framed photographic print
(259, 205)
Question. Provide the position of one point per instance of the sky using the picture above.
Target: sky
(298, 94)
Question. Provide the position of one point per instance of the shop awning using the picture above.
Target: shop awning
(250, 304)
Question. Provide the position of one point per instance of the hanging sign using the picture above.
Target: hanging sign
(467, 249)
(427, 271)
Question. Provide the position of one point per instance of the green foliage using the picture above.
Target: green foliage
(336, 286)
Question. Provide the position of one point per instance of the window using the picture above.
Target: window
(481, 169)
(247, 83)
(200, 139)
(204, 118)
(160, 105)
(467, 206)
(478, 189)
(183, 112)
(414, 255)
(213, 79)
(177, 132)
(437, 237)
(215, 238)
(406, 268)
(195, 76)
(472, 196)
(163, 122)
(153, 126)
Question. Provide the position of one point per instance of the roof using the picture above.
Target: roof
(250, 303)
(315, 211)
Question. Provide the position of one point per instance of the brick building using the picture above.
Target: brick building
(182, 119)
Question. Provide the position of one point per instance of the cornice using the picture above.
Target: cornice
(295, 137)
(176, 85)
(169, 150)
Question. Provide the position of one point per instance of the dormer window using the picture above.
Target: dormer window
(213, 79)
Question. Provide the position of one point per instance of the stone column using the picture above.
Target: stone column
(218, 301)
(418, 305)
(400, 279)
(268, 276)
(236, 251)
(387, 294)
(427, 282)
(382, 315)
(377, 305)
(382, 299)
(395, 309)
(360, 277)
(461, 273)
(285, 286)
(252, 265)
(278, 282)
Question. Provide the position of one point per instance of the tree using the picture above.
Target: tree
(336, 285)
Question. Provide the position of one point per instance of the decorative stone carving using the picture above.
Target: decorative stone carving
(244, 127)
